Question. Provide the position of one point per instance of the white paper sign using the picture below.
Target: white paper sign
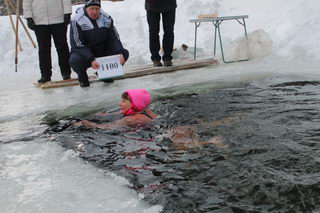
(110, 67)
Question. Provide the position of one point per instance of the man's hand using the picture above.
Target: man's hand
(122, 59)
(31, 24)
(67, 18)
(95, 65)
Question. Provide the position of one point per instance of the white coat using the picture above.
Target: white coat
(46, 12)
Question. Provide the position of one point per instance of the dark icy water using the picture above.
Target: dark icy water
(268, 159)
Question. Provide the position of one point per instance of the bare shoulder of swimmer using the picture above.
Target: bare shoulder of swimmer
(151, 113)
(135, 120)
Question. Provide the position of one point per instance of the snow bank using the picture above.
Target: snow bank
(292, 27)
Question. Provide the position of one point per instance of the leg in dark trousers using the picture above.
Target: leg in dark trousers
(168, 20)
(43, 34)
(154, 28)
(80, 66)
(59, 34)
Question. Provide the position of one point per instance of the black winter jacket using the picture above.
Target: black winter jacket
(160, 6)
(94, 38)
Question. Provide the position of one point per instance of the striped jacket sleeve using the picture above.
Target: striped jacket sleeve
(77, 44)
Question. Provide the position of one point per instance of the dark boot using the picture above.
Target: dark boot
(44, 80)
(85, 84)
(110, 80)
(66, 77)
(157, 63)
(167, 63)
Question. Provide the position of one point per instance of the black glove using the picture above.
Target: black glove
(31, 24)
(67, 18)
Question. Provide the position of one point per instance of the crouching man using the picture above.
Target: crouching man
(92, 34)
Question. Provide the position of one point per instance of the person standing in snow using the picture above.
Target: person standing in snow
(92, 35)
(166, 9)
(49, 19)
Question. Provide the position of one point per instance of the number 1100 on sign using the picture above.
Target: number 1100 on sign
(110, 66)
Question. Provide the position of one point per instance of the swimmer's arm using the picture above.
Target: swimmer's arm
(107, 113)
(91, 124)
(87, 124)
(129, 121)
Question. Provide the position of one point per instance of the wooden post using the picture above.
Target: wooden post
(13, 6)
(27, 32)
(11, 21)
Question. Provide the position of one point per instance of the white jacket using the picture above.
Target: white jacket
(46, 12)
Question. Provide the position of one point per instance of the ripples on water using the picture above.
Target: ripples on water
(269, 160)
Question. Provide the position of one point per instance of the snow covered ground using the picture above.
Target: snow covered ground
(292, 26)
(283, 41)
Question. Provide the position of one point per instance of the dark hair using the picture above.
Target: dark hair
(126, 96)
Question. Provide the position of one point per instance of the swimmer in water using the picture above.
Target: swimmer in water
(135, 113)
(134, 109)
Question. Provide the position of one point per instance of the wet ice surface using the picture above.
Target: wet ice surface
(42, 177)
(269, 160)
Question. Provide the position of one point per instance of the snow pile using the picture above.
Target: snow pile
(258, 45)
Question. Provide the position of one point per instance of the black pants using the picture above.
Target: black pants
(168, 20)
(80, 64)
(59, 34)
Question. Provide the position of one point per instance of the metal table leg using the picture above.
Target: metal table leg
(196, 25)
(217, 26)
(215, 41)
(243, 23)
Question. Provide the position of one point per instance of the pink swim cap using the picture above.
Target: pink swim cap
(140, 99)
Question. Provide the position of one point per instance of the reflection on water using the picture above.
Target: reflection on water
(267, 158)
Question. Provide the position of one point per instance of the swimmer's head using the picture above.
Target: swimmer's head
(134, 100)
